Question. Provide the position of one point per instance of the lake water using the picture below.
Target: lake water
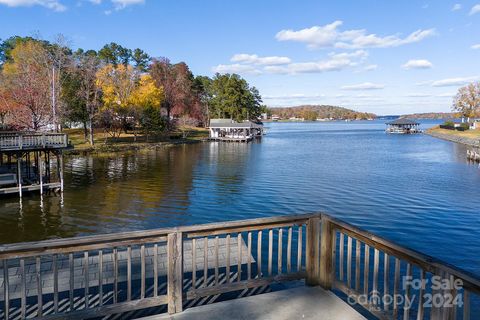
(413, 189)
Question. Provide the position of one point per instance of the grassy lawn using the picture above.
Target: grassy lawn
(471, 134)
(101, 139)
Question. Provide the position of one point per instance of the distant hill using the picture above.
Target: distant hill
(313, 112)
(432, 115)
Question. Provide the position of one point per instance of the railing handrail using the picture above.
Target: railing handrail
(25, 249)
(426, 262)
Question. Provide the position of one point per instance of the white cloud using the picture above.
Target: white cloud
(364, 86)
(50, 4)
(329, 36)
(453, 81)
(456, 7)
(278, 65)
(418, 95)
(255, 59)
(122, 4)
(370, 67)
(448, 95)
(475, 9)
(475, 46)
(417, 64)
(235, 68)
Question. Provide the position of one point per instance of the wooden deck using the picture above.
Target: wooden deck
(117, 274)
(31, 188)
(305, 303)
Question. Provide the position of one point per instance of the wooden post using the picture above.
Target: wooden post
(326, 254)
(40, 172)
(313, 252)
(175, 272)
(19, 173)
(60, 169)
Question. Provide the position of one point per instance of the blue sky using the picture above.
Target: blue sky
(387, 57)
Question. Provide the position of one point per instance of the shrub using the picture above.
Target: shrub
(448, 125)
(463, 127)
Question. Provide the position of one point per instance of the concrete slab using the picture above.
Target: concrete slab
(297, 303)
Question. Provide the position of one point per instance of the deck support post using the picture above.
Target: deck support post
(313, 252)
(327, 254)
(60, 169)
(40, 171)
(19, 173)
(175, 272)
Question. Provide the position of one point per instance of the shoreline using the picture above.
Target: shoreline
(112, 148)
(453, 138)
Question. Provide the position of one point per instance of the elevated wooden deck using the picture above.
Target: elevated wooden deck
(18, 141)
(152, 271)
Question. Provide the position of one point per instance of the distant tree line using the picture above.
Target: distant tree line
(48, 86)
(313, 112)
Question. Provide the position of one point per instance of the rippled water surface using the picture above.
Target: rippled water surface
(415, 190)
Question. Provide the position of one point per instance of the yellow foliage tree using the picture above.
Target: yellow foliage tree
(146, 94)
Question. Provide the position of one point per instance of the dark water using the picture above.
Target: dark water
(415, 190)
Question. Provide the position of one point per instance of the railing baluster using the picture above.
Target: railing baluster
(299, 249)
(23, 288)
(376, 262)
(100, 277)
(87, 280)
(142, 271)
(420, 311)
(406, 308)
(194, 263)
(129, 273)
(289, 250)
(466, 305)
(38, 269)
(227, 272)
(239, 256)
(205, 262)
(340, 264)
(259, 254)
(55, 282)
(6, 288)
(386, 278)
(155, 270)
(270, 251)
(216, 260)
(366, 270)
(358, 245)
(72, 283)
(249, 257)
(396, 286)
(115, 275)
(280, 249)
(349, 261)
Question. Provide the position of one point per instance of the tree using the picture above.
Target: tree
(177, 83)
(202, 87)
(141, 59)
(115, 54)
(27, 79)
(80, 92)
(232, 97)
(467, 100)
(117, 85)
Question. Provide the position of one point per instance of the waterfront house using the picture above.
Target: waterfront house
(403, 126)
(229, 130)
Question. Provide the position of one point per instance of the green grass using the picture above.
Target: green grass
(471, 134)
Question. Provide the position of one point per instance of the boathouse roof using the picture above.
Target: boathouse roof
(227, 123)
(403, 122)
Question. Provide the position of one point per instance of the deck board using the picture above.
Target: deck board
(297, 303)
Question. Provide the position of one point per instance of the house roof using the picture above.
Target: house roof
(403, 122)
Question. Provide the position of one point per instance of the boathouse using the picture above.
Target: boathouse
(229, 130)
(403, 126)
(31, 161)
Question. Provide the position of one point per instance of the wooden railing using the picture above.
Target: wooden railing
(394, 282)
(21, 141)
(171, 267)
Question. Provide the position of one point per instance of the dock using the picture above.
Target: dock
(309, 266)
(227, 130)
(31, 161)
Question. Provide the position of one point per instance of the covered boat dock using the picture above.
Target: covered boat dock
(231, 131)
(403, 126)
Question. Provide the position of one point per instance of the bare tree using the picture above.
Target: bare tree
(467, 100)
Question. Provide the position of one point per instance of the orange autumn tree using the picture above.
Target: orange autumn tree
(25, 84)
